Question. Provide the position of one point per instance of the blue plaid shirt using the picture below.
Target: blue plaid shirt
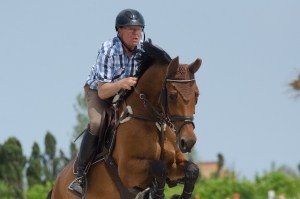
(112, 64)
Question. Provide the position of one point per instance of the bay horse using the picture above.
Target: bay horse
(150, 140)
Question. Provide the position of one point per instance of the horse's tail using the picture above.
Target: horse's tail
(49, 194)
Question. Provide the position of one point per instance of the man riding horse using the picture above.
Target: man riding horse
(114, 70)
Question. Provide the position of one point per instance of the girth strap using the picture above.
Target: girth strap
(112, 167)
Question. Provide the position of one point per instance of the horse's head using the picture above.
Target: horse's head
(178, 98)
(172, 97)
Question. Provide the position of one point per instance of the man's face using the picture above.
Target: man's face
(131, 35)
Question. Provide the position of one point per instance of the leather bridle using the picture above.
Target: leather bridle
(163, 118)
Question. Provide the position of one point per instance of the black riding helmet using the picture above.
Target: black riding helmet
(129, 17)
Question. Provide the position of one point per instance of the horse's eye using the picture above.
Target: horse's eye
(172, 95)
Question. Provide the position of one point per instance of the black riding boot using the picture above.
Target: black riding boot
(86, 151)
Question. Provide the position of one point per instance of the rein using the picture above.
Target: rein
(163, 119)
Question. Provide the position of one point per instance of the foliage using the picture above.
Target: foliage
(49, 160)
(38, 191)
(34, 171)
(12, 162)
(53, 163)
(226, 187)
(40, 170)
(62, 161)
(50, 143)
(278, 181)
(81, 115)
(5, 191)
(282, 180)
(73, 150)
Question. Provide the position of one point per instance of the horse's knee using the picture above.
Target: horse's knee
(158, 170)
(191, 171)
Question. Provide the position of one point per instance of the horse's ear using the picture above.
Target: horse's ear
(193, 67)
(172, 68)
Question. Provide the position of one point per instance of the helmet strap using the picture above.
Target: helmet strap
(144, 36)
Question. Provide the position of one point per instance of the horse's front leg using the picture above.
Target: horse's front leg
(191, 174)
(159, 173)
(148, 174)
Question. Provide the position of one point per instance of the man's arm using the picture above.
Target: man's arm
(109, 89)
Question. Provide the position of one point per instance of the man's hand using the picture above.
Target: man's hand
(107, 90)
(127, 83)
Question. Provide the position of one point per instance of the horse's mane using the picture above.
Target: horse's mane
(150, 55)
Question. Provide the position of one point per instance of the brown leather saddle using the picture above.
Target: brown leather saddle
(106, 141)
(110, 122)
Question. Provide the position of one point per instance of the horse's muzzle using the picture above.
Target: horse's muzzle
(186, 144)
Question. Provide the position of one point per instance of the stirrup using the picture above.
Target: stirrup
(77, 186)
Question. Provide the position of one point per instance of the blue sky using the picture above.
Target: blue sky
(250, 52)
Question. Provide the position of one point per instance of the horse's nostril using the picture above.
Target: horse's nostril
(186, 145)
(183, 145)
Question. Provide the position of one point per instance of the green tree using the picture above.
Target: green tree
(62, 161)
(81, 115)
(49, 159)
(73, 150)
(5, 191)
(53, 164)
(12, 162)
(278, 181)
(39, 191)
(34, 171)
(288, 171)
(225, 187)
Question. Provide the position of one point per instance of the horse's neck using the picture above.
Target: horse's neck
(150, 86)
